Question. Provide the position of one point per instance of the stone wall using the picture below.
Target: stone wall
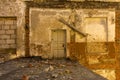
(13, 33)
(8, 33)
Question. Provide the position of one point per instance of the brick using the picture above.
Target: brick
(0, 46)
(10, 31)
(6, 27)
(1, 21)
(5, 46)
(12, 41)
(13, 27)
(13, 36)
(9, 22)
(0, 26)
(14, 22)
(2, 31)
(2, 41)
(4, 36)
(13, 46)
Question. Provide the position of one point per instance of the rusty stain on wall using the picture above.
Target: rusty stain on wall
(77, 52)
(96, 47)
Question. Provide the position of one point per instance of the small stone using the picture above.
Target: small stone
(47, 69)
(63, 77)
(70, 78)
(54, 75)
(25, 77)
(51, 68)
(30, 65)
(67, 71)
(61, 73)
(61, 65)
(0, 74)
(22, 66)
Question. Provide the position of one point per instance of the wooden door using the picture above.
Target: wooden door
(58, 43)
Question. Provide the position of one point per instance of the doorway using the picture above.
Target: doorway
(58, 38)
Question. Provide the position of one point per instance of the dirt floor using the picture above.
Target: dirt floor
(37, 69)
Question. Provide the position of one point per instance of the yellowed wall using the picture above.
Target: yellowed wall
(41, 26)
(42, 21)
(98, 24)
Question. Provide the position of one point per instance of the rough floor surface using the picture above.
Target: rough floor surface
(38, 69)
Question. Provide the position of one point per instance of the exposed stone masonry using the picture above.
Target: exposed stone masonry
(7, 33)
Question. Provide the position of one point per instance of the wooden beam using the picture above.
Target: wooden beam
(72, 27)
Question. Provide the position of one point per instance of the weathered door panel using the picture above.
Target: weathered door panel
(58, 43)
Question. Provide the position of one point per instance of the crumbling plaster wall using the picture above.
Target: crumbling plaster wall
(15, 8)
(40, 29)
(42, 21)
(101, 30)
(90, 17)
(46, 19)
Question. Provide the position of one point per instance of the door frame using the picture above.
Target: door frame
(65, 48)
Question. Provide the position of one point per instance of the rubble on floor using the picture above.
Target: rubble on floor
(38, 69)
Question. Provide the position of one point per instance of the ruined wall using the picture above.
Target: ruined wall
(100, 43)
(101, 63)
(40, 29)
(40, 36)
(7, 34)
(46, 20)
(15, 9)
